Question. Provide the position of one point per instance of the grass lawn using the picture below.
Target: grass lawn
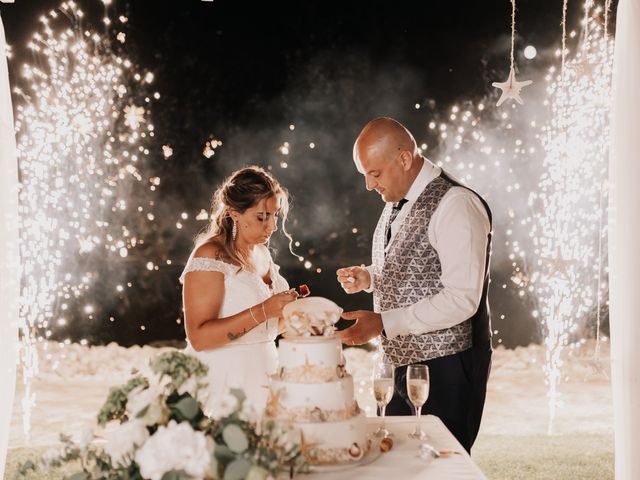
(584, 456)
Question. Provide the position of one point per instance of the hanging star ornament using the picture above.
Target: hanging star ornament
(558, 265)
(511, 88)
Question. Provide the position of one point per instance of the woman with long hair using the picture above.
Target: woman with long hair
(233, 293)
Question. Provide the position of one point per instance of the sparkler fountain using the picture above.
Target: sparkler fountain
(83, 140)
(568, 232)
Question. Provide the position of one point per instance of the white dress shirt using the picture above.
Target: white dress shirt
(458, 231)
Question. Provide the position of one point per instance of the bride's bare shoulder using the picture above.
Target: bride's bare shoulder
(211, 249)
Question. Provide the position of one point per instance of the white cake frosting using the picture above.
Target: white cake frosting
(334, 395)
(341, 434)
(311, 360)
(312, 392)
(317, 351)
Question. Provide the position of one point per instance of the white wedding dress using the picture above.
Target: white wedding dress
(247, 361)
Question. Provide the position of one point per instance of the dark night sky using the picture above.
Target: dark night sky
(243, 71)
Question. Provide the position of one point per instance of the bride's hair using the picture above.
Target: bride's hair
(242, 190)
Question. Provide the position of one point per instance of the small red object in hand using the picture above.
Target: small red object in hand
(304, 290)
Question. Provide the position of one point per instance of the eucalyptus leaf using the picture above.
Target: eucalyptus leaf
(187, 407)
(223, 454)
(173, 475)
(237, 470)
(235, 438)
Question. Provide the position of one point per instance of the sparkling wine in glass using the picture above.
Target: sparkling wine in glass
(418, 390)
(383, 386)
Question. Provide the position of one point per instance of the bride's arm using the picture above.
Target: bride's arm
(202, 296)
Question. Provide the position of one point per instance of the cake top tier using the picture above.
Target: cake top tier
(311, 316)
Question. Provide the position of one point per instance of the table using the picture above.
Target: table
(403, 462)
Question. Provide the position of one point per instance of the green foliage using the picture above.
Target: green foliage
(179, 367)
(185, 408)
(115, 406)
(239, 450)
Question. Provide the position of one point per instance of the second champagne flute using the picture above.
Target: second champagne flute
(418, 390)
(383, 386)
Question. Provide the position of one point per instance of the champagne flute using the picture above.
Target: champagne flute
(383, 386)
(418, 390)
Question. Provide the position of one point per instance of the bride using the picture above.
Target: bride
(233, 293)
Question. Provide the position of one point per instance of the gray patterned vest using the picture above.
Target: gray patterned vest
(411, 271)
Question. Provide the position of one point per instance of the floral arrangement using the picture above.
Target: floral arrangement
(156, 429)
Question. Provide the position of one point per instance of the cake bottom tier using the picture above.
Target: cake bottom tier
(326, 443)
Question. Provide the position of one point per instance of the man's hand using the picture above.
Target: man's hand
(367, 327)
(354, 279)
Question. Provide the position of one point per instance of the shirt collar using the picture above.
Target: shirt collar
(427, 173)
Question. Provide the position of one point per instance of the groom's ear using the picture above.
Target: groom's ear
(406, 158)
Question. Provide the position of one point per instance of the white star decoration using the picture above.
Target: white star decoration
(511, 88)
(558, 265)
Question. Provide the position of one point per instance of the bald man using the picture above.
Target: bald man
(429, 277)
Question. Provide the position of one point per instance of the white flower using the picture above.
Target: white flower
(140, 398)
(122, 442)
(174, 447)
(221, 405)
(249, 412)
(84, 437)
(151, 399)
(51, 455)
(190, 386)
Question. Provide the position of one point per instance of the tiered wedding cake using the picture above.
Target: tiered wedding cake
(312, 389)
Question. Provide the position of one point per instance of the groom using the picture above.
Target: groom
(429, 277)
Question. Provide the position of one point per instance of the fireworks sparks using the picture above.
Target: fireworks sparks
(210, 148)
(570, 231)
(167, 152)
(133, 116)
(81, 145)
(285, 148)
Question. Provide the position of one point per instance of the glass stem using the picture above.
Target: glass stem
(418, 416)
(383, 410)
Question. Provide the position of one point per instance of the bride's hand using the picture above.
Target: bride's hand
(273, 306)
(354, 279)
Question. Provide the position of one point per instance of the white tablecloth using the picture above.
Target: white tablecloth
(403, 462)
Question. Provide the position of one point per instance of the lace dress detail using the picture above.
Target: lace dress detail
(202, 264)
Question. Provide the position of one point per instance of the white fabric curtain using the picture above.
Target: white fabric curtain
(624, 241)
(9, 263)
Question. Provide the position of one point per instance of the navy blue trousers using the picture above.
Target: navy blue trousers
(457, 390)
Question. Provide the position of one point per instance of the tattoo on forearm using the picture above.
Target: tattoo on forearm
(235, 336)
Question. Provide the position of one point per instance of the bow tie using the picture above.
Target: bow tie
(398, 206)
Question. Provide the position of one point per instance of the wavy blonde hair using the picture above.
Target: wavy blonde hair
(242, 190)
